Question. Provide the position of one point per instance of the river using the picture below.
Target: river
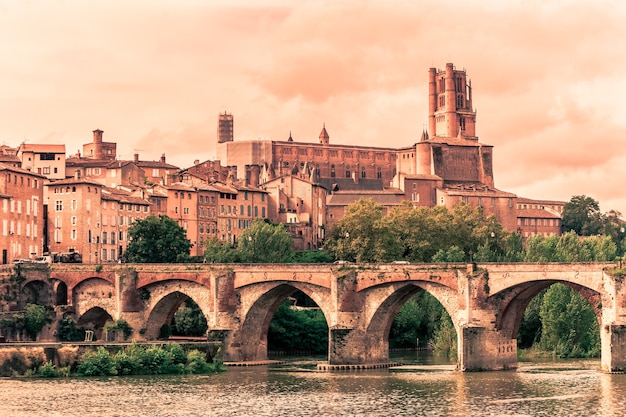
(422, 388)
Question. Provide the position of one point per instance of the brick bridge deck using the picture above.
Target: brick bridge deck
(485, 301)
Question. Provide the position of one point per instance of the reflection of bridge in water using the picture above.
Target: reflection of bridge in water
(486, 302)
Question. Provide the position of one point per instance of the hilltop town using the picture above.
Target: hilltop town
(85, 203)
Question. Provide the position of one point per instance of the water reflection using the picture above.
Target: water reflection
(568, 388)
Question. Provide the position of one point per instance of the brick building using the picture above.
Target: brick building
(22, 215)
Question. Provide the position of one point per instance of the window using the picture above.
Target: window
(74, 234)
(363, 172)
(58, 205)
(348, 174)
(73, 220)
(379, 172)
(46, 171)
(332, 170)
(186, 210)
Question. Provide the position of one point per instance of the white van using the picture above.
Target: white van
(46, 259)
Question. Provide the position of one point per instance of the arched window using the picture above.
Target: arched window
(379, 172)
(363, 172)
(348, 173)
(332, 170)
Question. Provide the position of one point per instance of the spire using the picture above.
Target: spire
(324, 135)
(424, 135)
(290, 138)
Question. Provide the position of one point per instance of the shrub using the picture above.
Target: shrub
(97, 363)
(197, 364)
(48, 370)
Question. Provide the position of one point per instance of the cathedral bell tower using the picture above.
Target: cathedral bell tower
(450, 112)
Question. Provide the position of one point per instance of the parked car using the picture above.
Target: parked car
(22, 261)
(46, 259)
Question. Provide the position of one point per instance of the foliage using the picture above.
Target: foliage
(67, 331)
(419, 234)
(48, 370)
(97, 363)
(582, 215)
(189, 320)
(119, 326)
(139, 360)
(215, 251)
(35, 317)
(293, 329)
(529, 333)
(569, 324)
(444, 340)
(419, 318)
(569, 247)
(453, 254)
(265, 242)
(157, 240)
(311, 257)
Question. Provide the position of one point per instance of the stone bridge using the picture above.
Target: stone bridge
(485, 301)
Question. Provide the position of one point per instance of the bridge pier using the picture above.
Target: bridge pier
(613, 338)
(483, 349)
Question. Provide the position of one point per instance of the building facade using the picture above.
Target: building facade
(21, 213)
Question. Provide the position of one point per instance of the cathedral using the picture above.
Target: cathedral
(448, 166)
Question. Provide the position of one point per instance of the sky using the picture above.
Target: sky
(548, 77)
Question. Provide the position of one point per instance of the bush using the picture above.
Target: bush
(97, 363)
(48, 370)
(68, 332)
(197, 364)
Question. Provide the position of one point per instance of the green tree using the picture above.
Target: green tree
(356, 237)
(189, 320)
(157, 240)
(266, 242)
(418, 318)
(569, 324)
(36, 317)
(294, 329)
(582, 215)
(217, 251)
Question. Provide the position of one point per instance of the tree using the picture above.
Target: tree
(157, 240)
(569, 324)
(189, 320)
(36, 317)
(356, 236)
(217, 251)
(265, 242)
(582, 215)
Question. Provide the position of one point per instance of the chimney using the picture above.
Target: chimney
(163, 158)
(196, 161)
(136, 157)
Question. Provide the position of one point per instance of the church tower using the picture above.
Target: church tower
(450, 112)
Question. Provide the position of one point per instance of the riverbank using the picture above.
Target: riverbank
(134, 358)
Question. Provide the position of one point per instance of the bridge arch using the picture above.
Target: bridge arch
(94, 319)
(165, 299)
(259, 303)
(512, 303)
(36, 292)
(94, 292)
(387, 300)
